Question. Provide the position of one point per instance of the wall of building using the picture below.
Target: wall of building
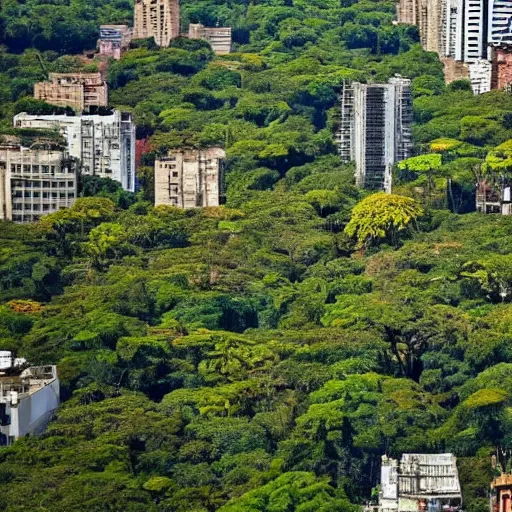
(189, 178)
(501, 59)
(105, 144)
(159, 19)
(455, 70)
(220, 38)
(480, 76)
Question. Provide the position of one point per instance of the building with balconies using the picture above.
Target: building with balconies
(157, 19)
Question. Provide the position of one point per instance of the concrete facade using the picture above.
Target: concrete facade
(189, 178)
(480, 76)
(159, 19)
(501, 494)
(455, 70)
(28, 400)
(75, 90)
(420, 482)
(376, 130)
(219, 37)
(35, 181)
(113, 40)
(500, 22)
(104, 144)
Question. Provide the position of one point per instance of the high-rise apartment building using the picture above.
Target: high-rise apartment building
(104, 143)
(218, 37)
(189, 178)
(75, 90)
(113, 40)
(500, 22)
(35, 181)
(453, 28)
(376, 129)
(159, 19)
(475, 34)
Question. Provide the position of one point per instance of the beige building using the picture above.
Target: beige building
(76, 90)
(218, 37)
(189, 178)
(159, 19)
(35, 181)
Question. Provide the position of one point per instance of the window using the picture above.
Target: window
(45, 169)
(175, 174)
(71, 184)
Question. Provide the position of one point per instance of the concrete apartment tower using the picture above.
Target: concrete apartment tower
(376, 130)
(35, 181)
(189, 178)
(159, 19)
(104, 143)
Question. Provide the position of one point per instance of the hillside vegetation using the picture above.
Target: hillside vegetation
(264, 355)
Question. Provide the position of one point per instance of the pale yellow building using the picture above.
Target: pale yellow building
(189, 178)
(159, 19)
(220, 38)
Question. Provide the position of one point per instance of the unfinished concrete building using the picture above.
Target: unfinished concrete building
(159, 19)
(219, 37)
(28, 400)
(35, 181)
(501, 494)
(189, 178)
(375, 129)
(104, 142)
(420, 482)
(75, 90)
(114, 39)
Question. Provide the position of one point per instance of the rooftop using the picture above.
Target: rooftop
(19, 383)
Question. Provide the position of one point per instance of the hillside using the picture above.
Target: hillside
(256, 356)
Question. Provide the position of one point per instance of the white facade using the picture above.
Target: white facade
(454, 20)
(35, 181)
(500, 21)
(475, 40)
(189, 178)
(376, 130)
(28, 401)
(104, 144)
(420, 482)
(480, 76)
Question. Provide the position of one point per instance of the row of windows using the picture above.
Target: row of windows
(35, 207)
(43, 184)
(37, 169)
(45, 195)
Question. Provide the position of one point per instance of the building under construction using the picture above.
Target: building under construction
(218, 37)
(189, 178)
(35, 181)
(420, 482)
(75, 90)
(375, 129)
(159, 19)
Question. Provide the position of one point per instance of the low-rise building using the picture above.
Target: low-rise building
(36, 181)
(501, 494)
(454, 70)
(28, 400)
(420, 482)
(113, 40)
(75, 90)
(220, 38)
(189, 178)
(480, 73)
(501, 58)
(104, 141)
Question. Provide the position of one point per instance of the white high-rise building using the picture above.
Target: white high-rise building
(376, 130)
(104, 144)
(500, 22)
(454, 29)
(475, 37)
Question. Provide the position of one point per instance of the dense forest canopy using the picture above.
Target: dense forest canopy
(263, 355)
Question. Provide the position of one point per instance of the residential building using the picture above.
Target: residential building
(455, 70)
(103, 141)
(189, 178)
(28, 400)
(159, 19)
(499, 21)
(501, 59)
(480, 75)
(420, 482)
(76, 90)
(475, 37)
(376, 129)
(453, 28)
(35, 181)
(113, 40)
(218, 37)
